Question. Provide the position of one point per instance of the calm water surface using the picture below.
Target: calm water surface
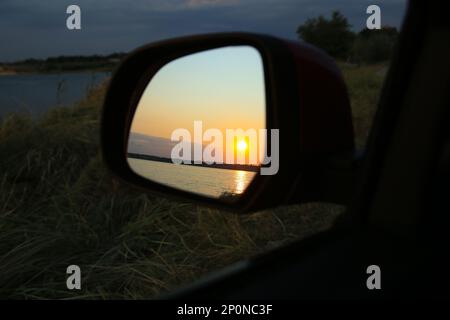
(206, 181)
(36, 93)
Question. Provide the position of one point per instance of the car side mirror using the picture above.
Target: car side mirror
(238, 121)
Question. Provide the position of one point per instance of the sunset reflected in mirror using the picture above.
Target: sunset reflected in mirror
(200, 123)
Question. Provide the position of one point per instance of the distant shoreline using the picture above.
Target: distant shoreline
(7, 72)
(242, 167)
(62, 64)
(14, 73)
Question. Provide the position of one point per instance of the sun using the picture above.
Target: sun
(241, 145)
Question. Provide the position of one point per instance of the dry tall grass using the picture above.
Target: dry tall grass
(59, 206)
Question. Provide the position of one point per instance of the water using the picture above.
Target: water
(210, 182)
(36, 93)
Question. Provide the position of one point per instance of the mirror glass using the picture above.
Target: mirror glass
(199, 124)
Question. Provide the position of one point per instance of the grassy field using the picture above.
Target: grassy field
(59, 206)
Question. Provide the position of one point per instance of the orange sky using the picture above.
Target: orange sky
(223, 88)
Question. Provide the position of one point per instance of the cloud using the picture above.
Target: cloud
(34, 28)
(207, 3)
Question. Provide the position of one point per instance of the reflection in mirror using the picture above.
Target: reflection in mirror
(199, 125)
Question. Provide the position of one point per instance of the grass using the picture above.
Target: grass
(364, 86)
(59, 206)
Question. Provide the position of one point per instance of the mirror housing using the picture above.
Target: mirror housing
(306, 99)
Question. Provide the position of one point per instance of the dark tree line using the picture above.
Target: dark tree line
(70, 59)
(67, 63)
(335, 36)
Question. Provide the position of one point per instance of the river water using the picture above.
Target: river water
(36, 93)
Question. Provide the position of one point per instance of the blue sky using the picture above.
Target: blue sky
(37, 29)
